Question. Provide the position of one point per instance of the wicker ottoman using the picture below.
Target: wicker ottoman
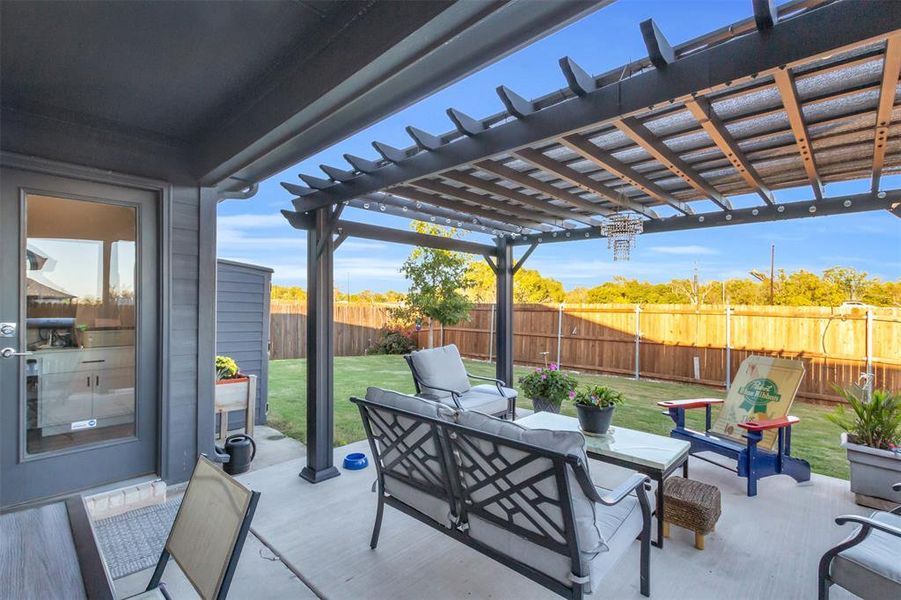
(692, 505)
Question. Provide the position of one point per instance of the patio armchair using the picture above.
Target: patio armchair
(439, 374)
(868, 563)
(753, 427)
(523, 497)
(208, 533)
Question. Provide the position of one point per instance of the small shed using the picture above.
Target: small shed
(242, 325)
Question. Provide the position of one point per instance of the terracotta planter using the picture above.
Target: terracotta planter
(544, 405)
(593, 419)
(873, 471)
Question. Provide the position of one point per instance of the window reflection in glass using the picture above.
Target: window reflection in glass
(80, 274)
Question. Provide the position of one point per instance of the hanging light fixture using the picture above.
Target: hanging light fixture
(621, 231)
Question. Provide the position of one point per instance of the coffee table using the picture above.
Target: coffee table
(654, 455)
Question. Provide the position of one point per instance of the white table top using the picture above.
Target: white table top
(647, 449)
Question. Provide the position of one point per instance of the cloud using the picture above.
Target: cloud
(251, 221)
(690, 250)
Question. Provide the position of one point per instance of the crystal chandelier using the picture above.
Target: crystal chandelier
(621, 231)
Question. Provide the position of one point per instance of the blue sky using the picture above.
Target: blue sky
(254, 231)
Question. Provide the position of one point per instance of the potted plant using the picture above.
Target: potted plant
(872, 439)
(594, 406)
(548, 387)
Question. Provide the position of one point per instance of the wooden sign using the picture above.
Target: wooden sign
(763, 388)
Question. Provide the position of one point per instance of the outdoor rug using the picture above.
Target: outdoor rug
(132, 541)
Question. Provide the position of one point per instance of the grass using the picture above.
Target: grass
(814, 439)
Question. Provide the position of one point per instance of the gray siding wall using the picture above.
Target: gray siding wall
(242, 326)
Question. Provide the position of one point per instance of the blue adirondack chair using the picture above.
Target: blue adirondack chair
(754, 427)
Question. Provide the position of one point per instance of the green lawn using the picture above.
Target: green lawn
(814, 439)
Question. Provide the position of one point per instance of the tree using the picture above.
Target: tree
(529, 286)
(281, 292)
(847, 280)
(438, 280)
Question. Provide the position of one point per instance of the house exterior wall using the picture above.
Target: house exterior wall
(242, 326)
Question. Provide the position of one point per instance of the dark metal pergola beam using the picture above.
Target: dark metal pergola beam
(583, 181)
(791, 210)
(785, 83)
(544, 187)
(412, 238)
(382, 202)
(465, 195)
(516, 196)
(715, 128)
(616, 167)
(478, 211)
(642, 136)
(891, 67)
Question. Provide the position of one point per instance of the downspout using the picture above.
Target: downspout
(245, 194)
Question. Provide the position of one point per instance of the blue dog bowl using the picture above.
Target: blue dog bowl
(355, 461)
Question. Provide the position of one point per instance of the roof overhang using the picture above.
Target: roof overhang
(230, 93)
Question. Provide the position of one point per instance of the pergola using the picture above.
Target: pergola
(803, 94)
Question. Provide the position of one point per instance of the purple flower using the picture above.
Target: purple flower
(572, 394)
(543, 376)
(553, 367)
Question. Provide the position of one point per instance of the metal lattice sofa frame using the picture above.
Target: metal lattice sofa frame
(468, 473)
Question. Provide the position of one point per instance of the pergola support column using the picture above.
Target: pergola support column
(320, 351)
(504, 330)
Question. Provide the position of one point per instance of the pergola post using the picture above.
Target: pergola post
(504, 329)
(320, 374)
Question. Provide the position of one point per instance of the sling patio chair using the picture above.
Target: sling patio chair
(868, 562)
(753, 427)
(439, 374)
(208, 533)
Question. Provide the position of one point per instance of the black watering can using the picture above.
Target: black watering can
(237, 454)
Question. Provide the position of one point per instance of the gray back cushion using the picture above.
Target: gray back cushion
(440, 367)
(477, 466)
(417, 480)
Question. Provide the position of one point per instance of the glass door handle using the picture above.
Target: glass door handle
(10, 352)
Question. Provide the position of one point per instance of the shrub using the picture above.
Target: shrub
(393, 342)
(598, 396)
(549, 383)
(226, 368)
(875, 423)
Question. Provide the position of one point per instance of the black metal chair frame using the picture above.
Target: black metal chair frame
(232, 560)
(510, 413)
(867, 525)
(445, 481)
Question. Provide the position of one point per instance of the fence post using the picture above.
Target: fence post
(559, 330)
(869, 358)
(728, 347)
(491, 334)
(637, 342)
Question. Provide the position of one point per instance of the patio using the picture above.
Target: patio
(763, 547)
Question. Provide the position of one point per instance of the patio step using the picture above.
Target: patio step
(125, 499)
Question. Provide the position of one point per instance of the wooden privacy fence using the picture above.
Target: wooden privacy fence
(356, 328)
(702, 344)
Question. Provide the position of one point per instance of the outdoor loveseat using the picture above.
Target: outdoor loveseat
(439, 374)
(523, 497)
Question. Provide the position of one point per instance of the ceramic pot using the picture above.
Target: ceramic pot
(593, 419)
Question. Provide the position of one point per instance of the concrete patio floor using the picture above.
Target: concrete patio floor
(313, 540)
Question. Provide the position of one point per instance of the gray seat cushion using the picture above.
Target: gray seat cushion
(872, 568)
(565, 442)
(424, 466)
(442, 368)
(620, 525)
(490, 388)
(489, 404)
